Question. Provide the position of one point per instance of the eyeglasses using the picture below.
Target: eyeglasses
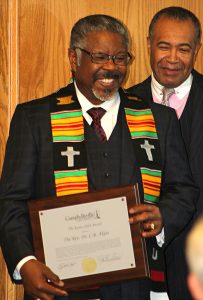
(102, 58)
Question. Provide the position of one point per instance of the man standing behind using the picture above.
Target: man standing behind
(111, 133)
(173, 44)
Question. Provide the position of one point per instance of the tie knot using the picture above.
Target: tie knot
(167, 93)
(96, 113)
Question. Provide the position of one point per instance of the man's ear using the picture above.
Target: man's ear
(195, 287)
(197, 49)
(148, 45)
(73, 59)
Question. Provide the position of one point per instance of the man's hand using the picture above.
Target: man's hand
(150, 217)
(36, 279)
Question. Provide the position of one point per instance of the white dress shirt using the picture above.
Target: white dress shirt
(178, 99)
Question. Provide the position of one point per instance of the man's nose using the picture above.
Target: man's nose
(172, 56)
(110, 64)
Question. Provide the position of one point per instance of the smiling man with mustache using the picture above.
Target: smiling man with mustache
(173, 47)
(99, 82)
(173, 44)
(91, 135)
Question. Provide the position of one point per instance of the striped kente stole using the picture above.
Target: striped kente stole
(142, 127)
(68, 134)
(67, 126)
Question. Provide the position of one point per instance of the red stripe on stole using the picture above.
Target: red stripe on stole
(157, 276)
(142, 121)
(152, 186)
(137, 123)
(61, 187)
(80, 126)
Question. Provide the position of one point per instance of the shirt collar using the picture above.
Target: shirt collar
(181, 91)
(86, 104)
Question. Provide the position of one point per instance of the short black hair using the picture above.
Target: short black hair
(177, 13)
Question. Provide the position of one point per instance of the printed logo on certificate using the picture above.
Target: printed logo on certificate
(88, 235)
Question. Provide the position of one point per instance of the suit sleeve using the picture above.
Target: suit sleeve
(178, 192)
(17, 184)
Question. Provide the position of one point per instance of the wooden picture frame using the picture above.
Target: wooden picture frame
(131, 193)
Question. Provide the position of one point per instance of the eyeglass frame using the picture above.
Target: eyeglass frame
(108, 56)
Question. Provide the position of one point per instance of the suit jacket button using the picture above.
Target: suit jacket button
(105, 154)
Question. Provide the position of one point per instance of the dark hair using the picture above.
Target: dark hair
(96, 22)
(177, 13)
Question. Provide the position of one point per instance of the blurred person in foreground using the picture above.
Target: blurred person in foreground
(194, 255)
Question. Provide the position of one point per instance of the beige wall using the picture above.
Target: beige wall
(34, 37)
(44, 37)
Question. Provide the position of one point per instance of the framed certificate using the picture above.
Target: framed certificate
(86, 238)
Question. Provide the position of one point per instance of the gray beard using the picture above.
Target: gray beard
(108, 95)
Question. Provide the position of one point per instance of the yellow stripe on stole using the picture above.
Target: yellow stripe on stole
(152, 192)
(135, 118)
(67, 120)
(151, 178)
(70, 192)
(67, 132)
(71, 179)
(143, 128)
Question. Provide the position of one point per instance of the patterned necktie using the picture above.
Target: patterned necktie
(97, 113)
(167, 93)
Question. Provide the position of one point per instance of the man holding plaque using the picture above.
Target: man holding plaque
(87, 136)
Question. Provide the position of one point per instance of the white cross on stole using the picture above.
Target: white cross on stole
(154, 254)
(147, 147)
(70, 153)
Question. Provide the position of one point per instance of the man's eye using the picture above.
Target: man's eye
(100, 57)
(185, 50)
(163, 47)
(121, 58)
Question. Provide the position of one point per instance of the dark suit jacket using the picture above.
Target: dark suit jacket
(28, 174)
(191, 123)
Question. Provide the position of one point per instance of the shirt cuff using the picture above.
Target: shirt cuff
(160, 238)
(16, 273)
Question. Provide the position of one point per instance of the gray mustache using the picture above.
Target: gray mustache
(108, 75)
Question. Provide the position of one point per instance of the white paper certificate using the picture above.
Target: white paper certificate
(88, 238)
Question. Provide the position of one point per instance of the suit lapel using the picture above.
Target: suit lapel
(197, 119)
(127, 155)
(41, 129)
(143, 90)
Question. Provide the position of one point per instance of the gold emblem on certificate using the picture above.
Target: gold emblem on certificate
(89, 265)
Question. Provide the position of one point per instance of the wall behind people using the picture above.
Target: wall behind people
(34, 38)
(44, 30)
